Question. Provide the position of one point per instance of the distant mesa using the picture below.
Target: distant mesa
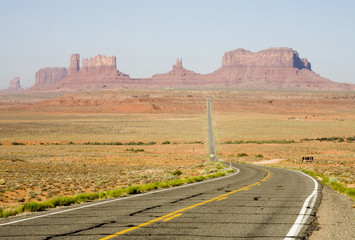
(46, 77)
(14, 86)
(273, 68)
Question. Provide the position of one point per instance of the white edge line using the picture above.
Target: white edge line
(304, 213)
(119, 199)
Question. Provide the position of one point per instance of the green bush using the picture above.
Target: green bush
(65, 201)
(17, 143)
(242, 155)
(259, 156)
(165, 142)
(134, 150)
(177, 173)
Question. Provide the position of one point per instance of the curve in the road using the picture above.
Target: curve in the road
(177, 213)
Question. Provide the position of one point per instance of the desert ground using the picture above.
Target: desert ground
(69, 143)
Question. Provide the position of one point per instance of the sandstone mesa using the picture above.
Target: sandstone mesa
(273, 68)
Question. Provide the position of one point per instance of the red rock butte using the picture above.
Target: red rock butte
(273, 68)
(14, 86)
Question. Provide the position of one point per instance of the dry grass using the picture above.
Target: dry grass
(41, 169)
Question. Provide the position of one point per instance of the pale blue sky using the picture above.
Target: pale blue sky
(148, 36)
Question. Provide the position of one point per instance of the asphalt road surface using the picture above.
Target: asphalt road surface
(254, 203)
(211, 146)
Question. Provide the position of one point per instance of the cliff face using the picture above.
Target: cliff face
(14, 86)
(46, 77)
(269, 58)
(99, 63)
(273, 68)
(99, 72)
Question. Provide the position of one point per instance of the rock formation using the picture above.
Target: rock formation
(14, 86)
(99, 72)
(269, 58)
(178, 77)
(46, 77)
(74, 64)
(273, 68)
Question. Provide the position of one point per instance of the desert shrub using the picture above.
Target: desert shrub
(134, 150)
(195, 142)
(242, 155)
(260, 142)
(134, 143)
(17, 143)
(150, 143)
(115, 193)
(65, 201)
(176, 182)
(350, 139)
(177, 173)
(114, 143)
(4, 213)
(31, 207)
(350, 192)
(259, 156)
(0, 144)
(165, 142)
(132, 190)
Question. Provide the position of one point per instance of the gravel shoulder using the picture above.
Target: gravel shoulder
(335, 217)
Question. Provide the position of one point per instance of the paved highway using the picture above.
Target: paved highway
(211, 146)
(253, 203)
(256, 203)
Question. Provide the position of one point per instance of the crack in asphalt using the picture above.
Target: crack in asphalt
(182, 199)
(78, 231)
(144, 210)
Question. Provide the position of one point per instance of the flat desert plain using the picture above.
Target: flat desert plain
(69, 143)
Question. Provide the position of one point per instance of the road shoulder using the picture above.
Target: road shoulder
(335, 217)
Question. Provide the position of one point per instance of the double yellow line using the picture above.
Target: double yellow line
(177, 213)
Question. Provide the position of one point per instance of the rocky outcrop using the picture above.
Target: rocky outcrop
(46, 77)
(177, 77)
(273, 68)
(74, 64)
(269, 58)
(14, 86)
(99, 72)
(100, 63)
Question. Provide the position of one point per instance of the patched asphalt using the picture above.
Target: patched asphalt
(265, 210)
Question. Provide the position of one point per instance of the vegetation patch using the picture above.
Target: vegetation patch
(120, 192)
(260, 142)
(333, 183)
(242, 155)
(17, 143)
(134, 150)
(330, 139)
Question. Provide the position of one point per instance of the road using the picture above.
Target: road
(257, 202)
(253, 203)
(211, 145)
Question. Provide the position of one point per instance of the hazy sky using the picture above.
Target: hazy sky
(147, 36)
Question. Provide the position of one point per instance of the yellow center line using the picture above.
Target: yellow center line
(170, 215)
(221, 199)
(175, 216)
